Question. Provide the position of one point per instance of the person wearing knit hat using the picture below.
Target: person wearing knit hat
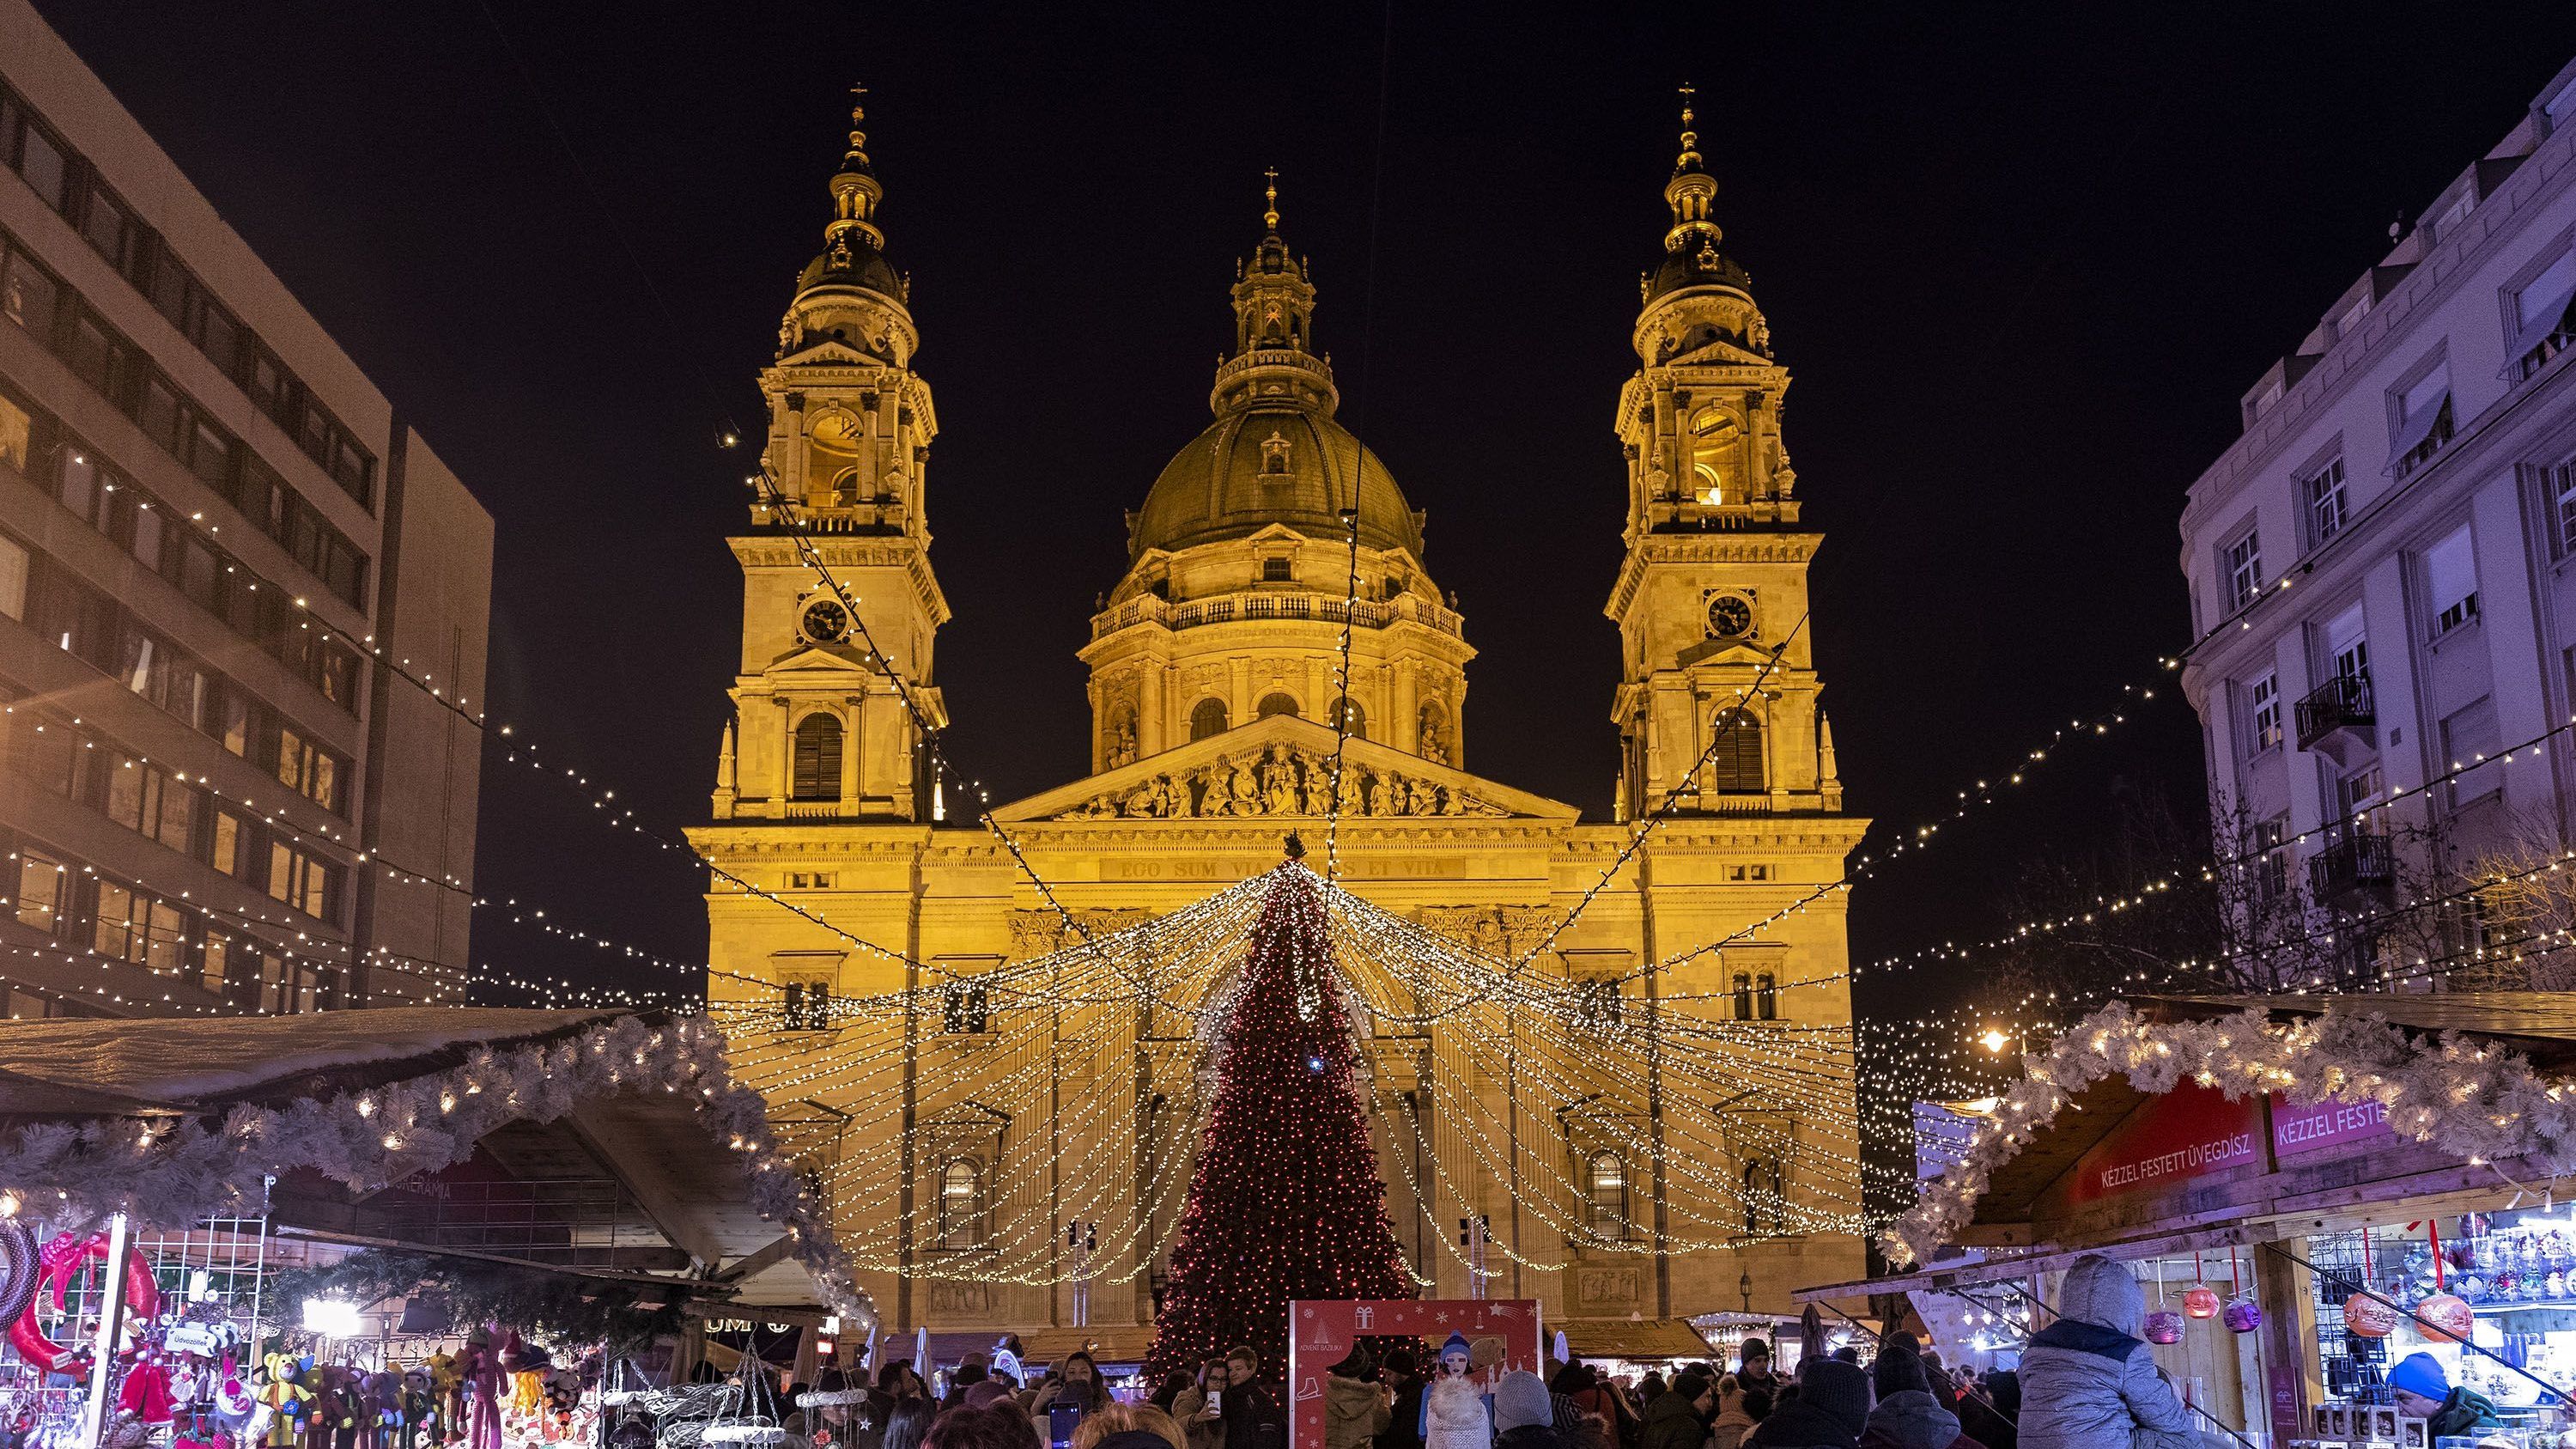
(1524, 1413)
(1830, 1411)
(1898, 1368)
(1453, 1407)
(2425, 1391)
(1908, 1414)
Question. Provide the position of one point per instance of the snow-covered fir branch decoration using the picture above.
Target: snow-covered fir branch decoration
(170, 1174)
(2480, 1101)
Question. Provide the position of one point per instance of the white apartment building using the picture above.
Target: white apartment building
(2383, 567)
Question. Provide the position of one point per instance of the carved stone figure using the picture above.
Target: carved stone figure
(1244, 788)
(1319, 788)
(1435, 735)
(1122, 746)
(1176, 798)
(1279, 782)
(1145, 800)
(1417, 798)
(1350, 790)
(1373, 794)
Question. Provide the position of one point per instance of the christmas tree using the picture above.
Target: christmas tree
(1285, 1201)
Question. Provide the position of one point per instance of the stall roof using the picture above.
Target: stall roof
(1636, 1340)
(193, 1064)
(623, 1179)
(2538, 1026)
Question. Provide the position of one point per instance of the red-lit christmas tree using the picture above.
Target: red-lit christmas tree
(1286, 1201)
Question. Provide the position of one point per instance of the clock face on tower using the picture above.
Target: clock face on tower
(825, 621)
(1729, 616)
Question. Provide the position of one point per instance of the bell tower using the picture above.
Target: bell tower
(1711, 602)
(820, 730)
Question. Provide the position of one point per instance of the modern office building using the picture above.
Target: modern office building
(2381, 585)
(245, 606)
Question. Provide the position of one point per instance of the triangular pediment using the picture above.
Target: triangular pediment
(1719, 352)
(825, 350)
(1279, 753)
(1725, 651)
(818, 659)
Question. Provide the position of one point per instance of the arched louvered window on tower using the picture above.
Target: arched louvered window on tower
(961, 1205)
(817, 774)
(1605, 1183)
(1735, 758)
(1207, 718)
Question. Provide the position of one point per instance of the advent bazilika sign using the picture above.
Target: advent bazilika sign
(1321, 1333)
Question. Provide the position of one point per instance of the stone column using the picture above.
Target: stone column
(1404, 731)
(854, 736)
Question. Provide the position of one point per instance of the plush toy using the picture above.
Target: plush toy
(145, 1394)
(288, 1401)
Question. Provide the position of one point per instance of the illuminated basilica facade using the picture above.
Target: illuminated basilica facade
(952, 1146)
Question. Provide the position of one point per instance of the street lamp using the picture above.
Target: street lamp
(1744, 1285)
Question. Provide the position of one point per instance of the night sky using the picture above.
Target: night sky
(2022, 263)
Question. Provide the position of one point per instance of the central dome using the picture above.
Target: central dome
(1287, 465)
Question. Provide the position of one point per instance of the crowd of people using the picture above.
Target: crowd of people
(2086, 1381)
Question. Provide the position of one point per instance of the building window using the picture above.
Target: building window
(1743, 993)
(1766, 1200)
(1598, 1007)
(2326, 512)
(300, 880)
(2469, 736)
(307, 769)
(818, 759)
(2544, 312)
(1766, 997)
(17, 435)
(1605, 1185)
(1278, 571)
(2451, 581)
(1207, 719)
(2263, 706)
(1348, 717)
(1735, 753)
(807, 1006)
(961, 1205)
(965, 1010)
(2243, 560)
(1717, 457)
(1276, 704)
(40, 893)
(2562, 481)
(2272, 859)
(2423, 420)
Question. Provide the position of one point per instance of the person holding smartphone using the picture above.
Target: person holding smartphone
(1200, 1407)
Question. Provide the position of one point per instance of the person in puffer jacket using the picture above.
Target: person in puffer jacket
(2088, 1380)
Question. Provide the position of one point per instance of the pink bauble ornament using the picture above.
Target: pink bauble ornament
(2242, 1316)
(2367, 1317)
(2445, 1317)
(2200, 1303)
(2164, 1326)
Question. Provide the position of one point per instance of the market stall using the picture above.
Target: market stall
(2312, 1188)
(388, 1228)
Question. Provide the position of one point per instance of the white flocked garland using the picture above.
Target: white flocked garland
(2478, 1100)
(168, 1173)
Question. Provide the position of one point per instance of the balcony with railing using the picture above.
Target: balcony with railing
(2340, 708)
(1275, 604)
(2352, 861)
